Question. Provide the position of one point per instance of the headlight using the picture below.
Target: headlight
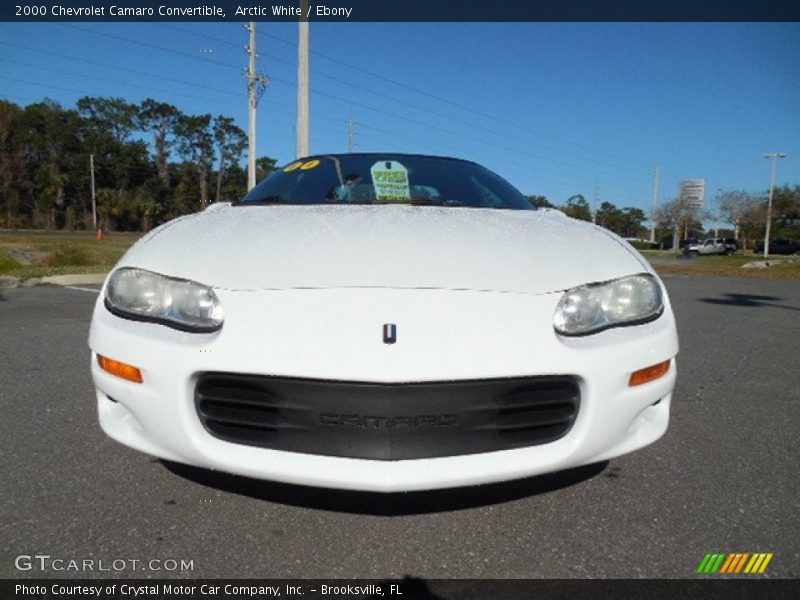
(177, 303)
(597, 306)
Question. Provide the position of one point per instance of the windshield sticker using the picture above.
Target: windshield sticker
(303, 166)
(390, 179)
(309, 165)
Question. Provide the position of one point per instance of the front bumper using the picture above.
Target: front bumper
(336, 335)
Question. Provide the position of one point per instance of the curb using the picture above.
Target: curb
(77, 279)
(8, 281)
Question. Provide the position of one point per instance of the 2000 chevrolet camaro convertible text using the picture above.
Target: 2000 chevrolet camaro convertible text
(383, 322)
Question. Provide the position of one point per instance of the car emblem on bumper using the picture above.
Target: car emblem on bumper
(389, 333)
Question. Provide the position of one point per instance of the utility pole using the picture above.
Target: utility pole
(351, 134)
(251, 108)
(774, 156)
(655, 207)
(256, 85)
(94, 203)
(594, 204)
(302, 82)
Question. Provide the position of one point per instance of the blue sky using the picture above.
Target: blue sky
(554, 108)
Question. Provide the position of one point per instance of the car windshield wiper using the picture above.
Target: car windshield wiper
(431, 202)
(265, 201)
(280, 200)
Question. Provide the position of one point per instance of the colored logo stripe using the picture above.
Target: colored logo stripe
(758, 563)
(735, 563)
(711, 563)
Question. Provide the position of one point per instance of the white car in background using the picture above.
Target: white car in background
(712, 246)
(383, 322)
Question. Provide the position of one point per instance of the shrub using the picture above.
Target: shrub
(69, 256)
(7, 263)
(640, 245)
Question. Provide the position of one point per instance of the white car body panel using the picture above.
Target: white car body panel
(306, 291)
(398, 246)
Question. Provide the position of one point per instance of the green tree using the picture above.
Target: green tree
(745, 211)
(108, 124)
(786, 212)
(679, 218)
(48, 138)
(265, 166)
(578, 208)
(11, 162)
(195, 144)
(540, 201)
(231, 142)
(159, 118)
(633, 222)
(610, 217)
(112, 114)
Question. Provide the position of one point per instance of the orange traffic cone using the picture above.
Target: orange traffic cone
(99, 235)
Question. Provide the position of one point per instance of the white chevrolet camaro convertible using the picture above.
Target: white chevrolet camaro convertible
(383, 322)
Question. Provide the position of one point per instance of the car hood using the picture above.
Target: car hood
(401, 246)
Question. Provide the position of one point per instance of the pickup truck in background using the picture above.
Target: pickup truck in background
(712, 246)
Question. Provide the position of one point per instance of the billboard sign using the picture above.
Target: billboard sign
(692, 192)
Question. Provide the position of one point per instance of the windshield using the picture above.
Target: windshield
(386, 179)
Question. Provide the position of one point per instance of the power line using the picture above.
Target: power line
(148, 74)
(395, 99)
(149, 45)
(95, 63)
(468, 137)
(345, 100)
(123, 83)
(377, 75)
(211, 38)
(486, 157)
(40, 84)
(367, 107)
(103, 79)
(82, 92)
(469, 109)
(17, 99)
(505, 161)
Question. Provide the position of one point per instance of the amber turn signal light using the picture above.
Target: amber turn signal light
(649, 373)
(120, 369)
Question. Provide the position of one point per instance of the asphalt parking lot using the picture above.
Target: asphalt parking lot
(724, 478)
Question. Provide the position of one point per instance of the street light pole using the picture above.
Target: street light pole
(655, 207)
(774, 156)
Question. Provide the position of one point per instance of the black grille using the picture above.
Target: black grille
(386, 421)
